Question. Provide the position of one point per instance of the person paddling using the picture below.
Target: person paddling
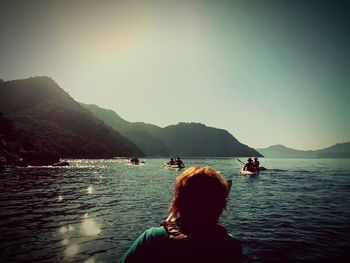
(249, 166)
(191, 233)
(256, 164)
(171, 162)
(179, 162)
(135, 160)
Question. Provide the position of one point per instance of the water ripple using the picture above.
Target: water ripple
(90, 212)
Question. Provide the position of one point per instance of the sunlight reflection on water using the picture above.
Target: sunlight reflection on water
(71, 250)
(90, 260)
(89, 189)
(65, 241)
(89, 227)
(65, 229)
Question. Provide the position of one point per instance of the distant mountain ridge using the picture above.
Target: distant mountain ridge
(184, 139)
(142, 134)
(339, 150)
(54, 121)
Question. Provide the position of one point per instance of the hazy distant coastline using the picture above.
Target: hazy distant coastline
(339, 150)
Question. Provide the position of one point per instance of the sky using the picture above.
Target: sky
(269, 72)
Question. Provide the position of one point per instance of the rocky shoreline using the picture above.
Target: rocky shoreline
(31, 158)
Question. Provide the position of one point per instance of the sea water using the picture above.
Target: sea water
(91, 211)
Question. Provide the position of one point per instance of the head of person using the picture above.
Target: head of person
(200, 197)
(255, 158)
(249, 160)
(172, 159)
(178, 158)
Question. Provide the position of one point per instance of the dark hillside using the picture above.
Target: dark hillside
(184, 139)
(196, 139)
(56, 122)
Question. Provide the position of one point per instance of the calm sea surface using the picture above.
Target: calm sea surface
(298, 211)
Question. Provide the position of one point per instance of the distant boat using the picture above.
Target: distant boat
(136, 163)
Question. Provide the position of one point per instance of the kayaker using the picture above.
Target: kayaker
(256, 164)
(135, 160)
(171, 162)
(249, 166)
(191, 233)
(179, 163)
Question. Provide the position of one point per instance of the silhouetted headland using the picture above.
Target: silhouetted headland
(41, 123)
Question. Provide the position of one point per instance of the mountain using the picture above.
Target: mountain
(340, 150)
(196, 139)
(51, 120)
(281, 151)
(12, 141)
(183, 139)
(144, 135)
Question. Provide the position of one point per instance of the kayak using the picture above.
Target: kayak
(174, 166)
(136, 163)
(247, 172)
(260, 168)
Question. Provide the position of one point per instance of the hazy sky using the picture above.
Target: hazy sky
(269, 72)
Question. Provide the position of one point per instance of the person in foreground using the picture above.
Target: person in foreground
(191, 233)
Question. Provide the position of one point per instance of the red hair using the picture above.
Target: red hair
(200, 196)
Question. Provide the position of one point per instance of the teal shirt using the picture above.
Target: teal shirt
(154, 245)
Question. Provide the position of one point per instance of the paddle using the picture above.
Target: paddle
(240, 161)
(229, 185)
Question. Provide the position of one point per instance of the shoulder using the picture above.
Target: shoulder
(145, 244)
(234, 241)
(155, 233)
(224, 247)
(152, 235)
(236, 247)
(231, 244)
